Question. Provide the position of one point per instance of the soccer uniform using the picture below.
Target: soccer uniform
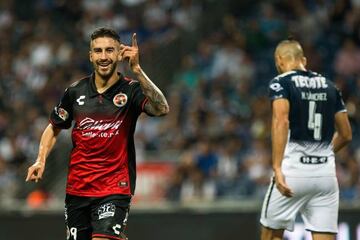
(309, 161)
(102, 167)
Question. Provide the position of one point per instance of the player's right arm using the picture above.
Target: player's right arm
(343, 134)
(47, 142)
(279, 136)
(60, 118)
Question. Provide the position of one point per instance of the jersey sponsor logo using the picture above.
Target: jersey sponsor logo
(106, 210)
(123, 184)
(91, 124)
(313, 159)
(117, 229)
(80, 100)
(276, 87)
(62, 113)
(120, 99)
(312, 83)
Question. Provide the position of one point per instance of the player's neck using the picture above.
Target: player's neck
(102, 84)
(294, 67)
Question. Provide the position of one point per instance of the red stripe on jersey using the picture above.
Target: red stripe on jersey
(53, 124)
(143, 103)
(106, 236)
(131, 81)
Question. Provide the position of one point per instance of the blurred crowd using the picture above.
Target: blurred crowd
(213, 59)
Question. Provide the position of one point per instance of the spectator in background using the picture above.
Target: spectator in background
(231, 177)
(8, 182)
(347, 170)
(257, 166)
(347, 59)
(206, 159)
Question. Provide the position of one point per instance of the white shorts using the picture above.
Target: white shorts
(315, 198)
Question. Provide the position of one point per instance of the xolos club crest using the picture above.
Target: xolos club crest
(120, 99)
(62, 113)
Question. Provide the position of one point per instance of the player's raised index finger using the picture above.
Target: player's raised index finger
(134, 41)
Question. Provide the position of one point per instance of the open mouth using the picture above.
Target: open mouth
(104, 65)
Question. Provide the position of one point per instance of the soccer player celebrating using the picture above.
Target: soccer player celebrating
(105, 107)
(309, 125)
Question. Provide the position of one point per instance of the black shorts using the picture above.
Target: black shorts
(88, 217)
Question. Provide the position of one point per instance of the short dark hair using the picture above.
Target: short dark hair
(105, 32)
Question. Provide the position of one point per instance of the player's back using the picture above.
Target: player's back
(314, 101)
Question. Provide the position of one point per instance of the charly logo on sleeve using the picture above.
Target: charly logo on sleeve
(120, 99)
(62, 113)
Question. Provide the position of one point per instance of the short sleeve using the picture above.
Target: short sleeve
(340, 105)
(277, 89)
(62, 114)
(139, 99)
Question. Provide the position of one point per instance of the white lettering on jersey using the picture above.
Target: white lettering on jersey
(313, 83)
(91, 124)
(79, 100)
(313, 96)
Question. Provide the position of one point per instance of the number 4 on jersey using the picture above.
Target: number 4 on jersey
(315, 120)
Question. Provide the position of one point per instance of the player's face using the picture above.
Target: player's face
(104, 53)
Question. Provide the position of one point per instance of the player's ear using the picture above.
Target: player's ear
(90, 56)
(304, 61)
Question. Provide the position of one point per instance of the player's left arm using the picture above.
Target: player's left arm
(343, 134)
(157, 104)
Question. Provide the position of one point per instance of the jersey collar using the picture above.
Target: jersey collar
(109, 93)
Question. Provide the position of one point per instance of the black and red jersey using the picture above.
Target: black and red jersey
(102, 160)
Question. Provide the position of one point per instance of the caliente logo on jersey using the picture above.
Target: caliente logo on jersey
(91, 124)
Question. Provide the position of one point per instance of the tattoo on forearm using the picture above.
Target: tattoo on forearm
(157, 104)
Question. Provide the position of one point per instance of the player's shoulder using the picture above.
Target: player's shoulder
(78, 84)
(280, 82)
(284, 76)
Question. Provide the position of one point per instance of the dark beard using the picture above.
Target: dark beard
(107, 75)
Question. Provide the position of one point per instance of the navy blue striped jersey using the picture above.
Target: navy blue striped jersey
(314, 101)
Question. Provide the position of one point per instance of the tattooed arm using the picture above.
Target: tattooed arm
(157, 104)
